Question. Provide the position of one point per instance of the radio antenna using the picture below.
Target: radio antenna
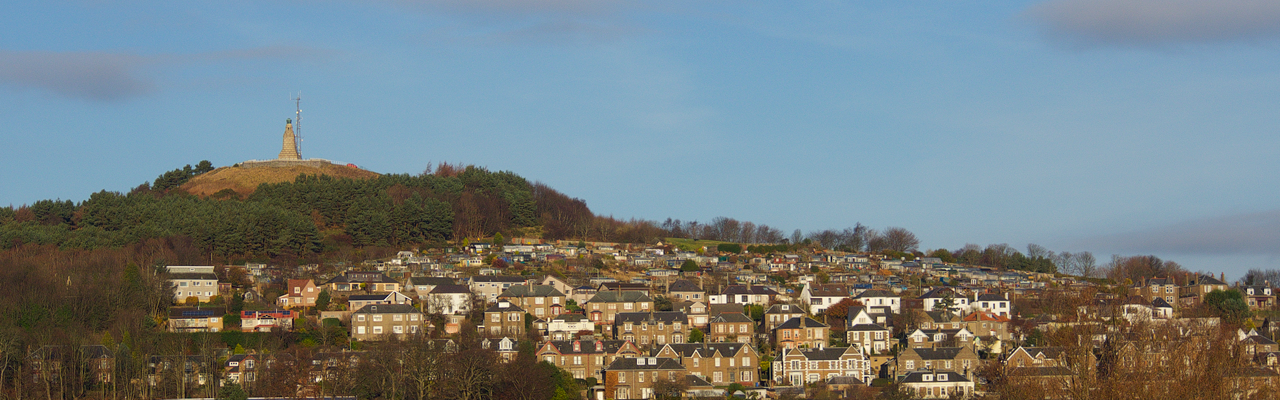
(297, 125)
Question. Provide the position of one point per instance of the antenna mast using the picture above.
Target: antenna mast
(297, 125)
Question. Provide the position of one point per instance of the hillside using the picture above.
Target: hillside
(245, 180)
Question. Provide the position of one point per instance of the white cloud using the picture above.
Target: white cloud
(1156, 22)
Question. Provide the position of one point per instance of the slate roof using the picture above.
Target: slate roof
(752, 289)
(939, 353)
(683, 286)
(703, 349)
(497, 307)
(784, 309)
(867, 327)
(832, 290)
(938, 293)
(610, 296)
(445, 289)
(991, 297)
(656, 316)
(732, 317)
(387, 309)
(801, 322)
(875, 293)
(826, 353)
(531, 291)
(585, 347)
(649, 363)
(497, 279)
(194, 275)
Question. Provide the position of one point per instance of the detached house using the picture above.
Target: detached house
(606, 304)
(540, 300)
(504, 318)
(818, 297)
(196, 319)
(372, 281)
(745, 294)
(1198, 287)
(865, 334)
(937, 384)
(878, 300)
(373, 321)
(962, 360)
(489, 287)
(779, 313)
(448, 300)
(1258, 297)
(193, 281)
(687, 291)
(302, 293)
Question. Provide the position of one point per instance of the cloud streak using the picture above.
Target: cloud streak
(111, 77)
(1144, 23)
(1241, 234)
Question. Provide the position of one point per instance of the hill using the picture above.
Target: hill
(245, 180)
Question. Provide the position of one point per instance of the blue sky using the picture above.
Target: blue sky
(1116, 126)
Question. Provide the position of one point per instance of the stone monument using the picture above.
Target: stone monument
(289, 152)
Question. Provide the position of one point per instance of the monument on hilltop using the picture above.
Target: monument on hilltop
(289, 151)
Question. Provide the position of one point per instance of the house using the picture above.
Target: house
(928, 338)
(875, 299)
(1200, 286)
(993, 303)
(935, 299)
(301, 293)
(654, 327)
(448, 299)
(559, 284)
(989, 325)
(687, 291)
(586, 358)
(962, 360)
(778, 313)
(489, 287)
(745, 294)
(504, 318)
(192, 281)
(505, 347)
(539, 300)
(371, 281)
(1258, 297)
(801, 332)
(1054, 369)
(818, 297)
(374, 321)
(731, 327)
(865, 334)
(624, 287)
(47, 363)
(720, 364)
(422, 285)
(1150, 289)
(568, 326)
(796, 367)
(606, 304)
(937, 384)
(241, 369)
(697, 311)
(633, 378)
(196, 319)
(358, 301)
(266, 320)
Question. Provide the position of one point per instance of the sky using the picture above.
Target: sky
(1113, 126)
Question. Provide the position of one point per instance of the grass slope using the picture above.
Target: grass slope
(245, 180)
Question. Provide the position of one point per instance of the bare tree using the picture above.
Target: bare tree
(900, 239)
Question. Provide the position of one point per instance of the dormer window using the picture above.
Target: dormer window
(942, 377)
(927, 378)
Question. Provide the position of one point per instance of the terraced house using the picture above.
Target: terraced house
(800, 366)
(586, 359)
(651, 328)
(720, 364)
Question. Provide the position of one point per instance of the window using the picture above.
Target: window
(182, 283)
(857, 336)
(377, 318)
(377, 330)
(717, 361)
(577, 360)
(695, 362)
(911, 364)
(640, 377)
(398, 329)
(497, 317)
(413, 317)
(626, 306)
(718, 377)
(622, 378)
(360, 318)
(359, 330)
(397, 317)
(746, 361)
